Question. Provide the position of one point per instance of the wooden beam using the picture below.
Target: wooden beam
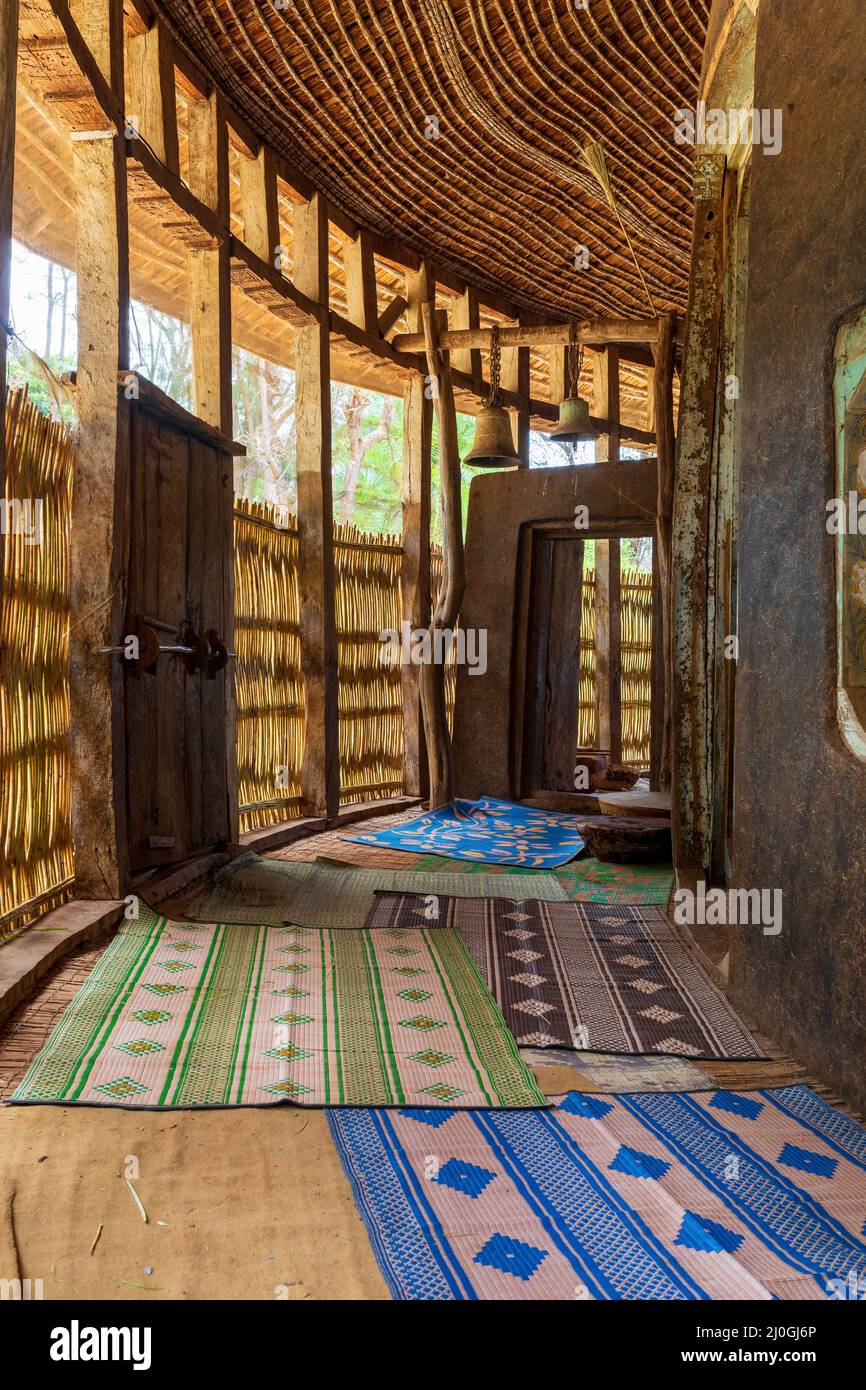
(151, 100)
(8, 75)
(540, 335)
(321, 765)
(606, 404)
(415, 565)
(259, 208)
(608, 660)
(209, 270)
(100, 516)
(447, 609)
(361, 306)
(690, 694)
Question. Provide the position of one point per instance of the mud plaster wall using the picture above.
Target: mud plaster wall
(620, 497)
(800, 796)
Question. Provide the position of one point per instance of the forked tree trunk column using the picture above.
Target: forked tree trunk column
(321, 765)
(445, 614)
(415, 568)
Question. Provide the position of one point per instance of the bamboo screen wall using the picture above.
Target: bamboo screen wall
(35, 798)
(636, 645)
(270, 683)
(370, 693)
(636, 599)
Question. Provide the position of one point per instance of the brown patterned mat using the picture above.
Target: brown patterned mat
(605, 979)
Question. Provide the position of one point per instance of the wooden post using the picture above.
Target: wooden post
(690, 692)
(100, 507)
(8, 76)
(321, 766)
(557, 359)
(151, 101)
(210, 320)
(439, 749)
(259, 207)
(608, 659)
(415, 568)
(605, 392)
(209, 270)
(662, 395)
(464, 314)
(361, 305)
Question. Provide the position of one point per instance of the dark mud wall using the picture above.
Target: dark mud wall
(800, 795)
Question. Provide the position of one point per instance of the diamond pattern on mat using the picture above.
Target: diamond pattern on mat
(422, 1023)
(645, 986)
(528, 979)
(635, 961)
(637, 1164)
(527, 957)
(537, 1040)
(464, 1177)
(677, 1046)
(510, 1256)
(659, 1015)
(121, 1088)
(808, 1161)
(537, 1007)
(520, 934)
(700, 1233)
(431, 1058)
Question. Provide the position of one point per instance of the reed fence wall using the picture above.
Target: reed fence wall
(35, 789)
(370, 699)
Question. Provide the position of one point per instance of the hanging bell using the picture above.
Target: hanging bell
(493, 445)
(574, 425)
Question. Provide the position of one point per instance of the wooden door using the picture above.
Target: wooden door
(178, 800)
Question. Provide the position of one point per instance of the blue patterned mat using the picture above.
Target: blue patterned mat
(486, 831)
(719, 1195)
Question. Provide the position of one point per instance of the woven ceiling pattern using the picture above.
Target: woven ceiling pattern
(346, 89)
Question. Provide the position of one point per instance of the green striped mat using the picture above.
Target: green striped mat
(185, 1015)
(583, 880)
(324, 895)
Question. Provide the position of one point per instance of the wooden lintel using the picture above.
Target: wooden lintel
(540, 335)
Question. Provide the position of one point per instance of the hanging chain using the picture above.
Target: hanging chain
(495, 359)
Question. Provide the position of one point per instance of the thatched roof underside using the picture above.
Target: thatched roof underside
(345, 89)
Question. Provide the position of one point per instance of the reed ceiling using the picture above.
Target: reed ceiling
(346, 89)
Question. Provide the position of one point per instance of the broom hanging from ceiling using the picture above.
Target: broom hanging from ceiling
(594, 158)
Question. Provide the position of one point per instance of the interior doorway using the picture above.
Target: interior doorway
(588, 677)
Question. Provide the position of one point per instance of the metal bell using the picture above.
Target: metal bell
(574, 424)
(493, 445)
